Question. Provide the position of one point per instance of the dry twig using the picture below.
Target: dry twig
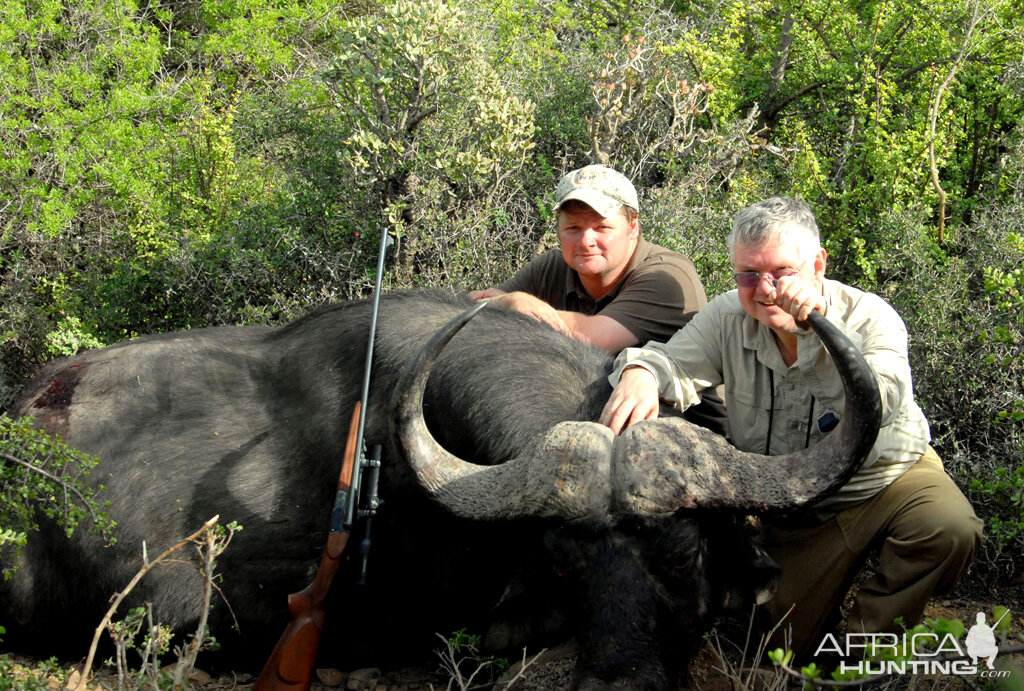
(147, 566)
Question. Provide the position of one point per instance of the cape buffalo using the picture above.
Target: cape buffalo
(632, 546)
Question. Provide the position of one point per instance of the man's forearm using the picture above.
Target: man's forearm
(603, 332)
(596, 329)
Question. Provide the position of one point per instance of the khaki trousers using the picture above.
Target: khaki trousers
(926, 533)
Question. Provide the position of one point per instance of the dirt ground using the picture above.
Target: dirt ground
(715, 668)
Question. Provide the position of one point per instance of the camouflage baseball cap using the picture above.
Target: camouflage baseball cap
(599, 187)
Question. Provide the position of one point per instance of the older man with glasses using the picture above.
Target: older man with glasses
(783, 393)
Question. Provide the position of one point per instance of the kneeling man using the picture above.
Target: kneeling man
(783, 393)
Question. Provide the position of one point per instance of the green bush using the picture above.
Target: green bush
(39, 474)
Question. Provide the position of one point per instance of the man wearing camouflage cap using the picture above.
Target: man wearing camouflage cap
(606, 285)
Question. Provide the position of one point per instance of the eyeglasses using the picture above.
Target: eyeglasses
(750, 279)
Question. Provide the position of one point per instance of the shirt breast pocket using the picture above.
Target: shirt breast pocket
(749, 411)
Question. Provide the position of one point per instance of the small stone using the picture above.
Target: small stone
(363, 679)
(72, 683)
(199, 677)
(330, 677)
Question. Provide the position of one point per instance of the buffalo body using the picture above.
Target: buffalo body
(250, 423)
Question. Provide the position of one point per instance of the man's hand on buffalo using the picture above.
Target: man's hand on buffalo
(486, 293)
(635, 398)
(524, 303)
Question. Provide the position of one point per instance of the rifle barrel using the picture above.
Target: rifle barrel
(385, 239)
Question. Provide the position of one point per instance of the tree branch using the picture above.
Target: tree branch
(64, 483)
(781, 61)
(911, 71)
(417, 117)
(771, 113)
(933, 115)
(147, 566)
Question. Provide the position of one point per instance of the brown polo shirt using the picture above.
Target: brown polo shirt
(656, 296)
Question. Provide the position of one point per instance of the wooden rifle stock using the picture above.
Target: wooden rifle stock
(290, 666)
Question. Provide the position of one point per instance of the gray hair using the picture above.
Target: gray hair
(775, 220)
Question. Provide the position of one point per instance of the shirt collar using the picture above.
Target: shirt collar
(759, 338)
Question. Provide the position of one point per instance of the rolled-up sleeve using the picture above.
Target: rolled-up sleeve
(684, 366)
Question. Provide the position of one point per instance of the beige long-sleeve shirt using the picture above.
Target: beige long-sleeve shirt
(802, 402)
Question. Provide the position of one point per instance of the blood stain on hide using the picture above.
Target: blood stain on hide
(58, 395)
(55, 402)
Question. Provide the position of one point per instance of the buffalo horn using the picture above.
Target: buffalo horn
(564, 475)
(657, 467)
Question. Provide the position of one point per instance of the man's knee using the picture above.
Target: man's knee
(963, 533)
(943, 546)
(950, 525)
(933, 515)
(959, 540)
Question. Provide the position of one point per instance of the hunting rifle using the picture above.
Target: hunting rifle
(290, 665)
